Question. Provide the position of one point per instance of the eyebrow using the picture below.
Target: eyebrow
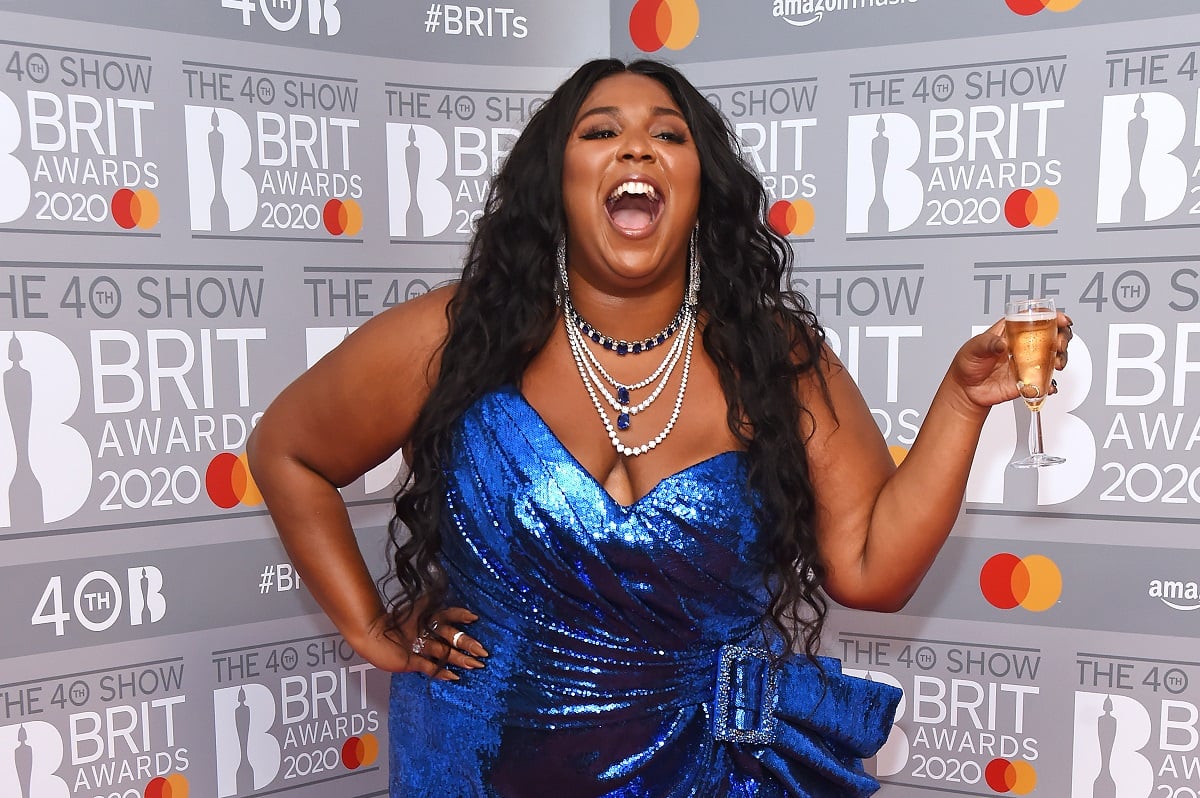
(614, 111)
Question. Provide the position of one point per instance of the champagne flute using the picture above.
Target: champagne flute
(1031, 328)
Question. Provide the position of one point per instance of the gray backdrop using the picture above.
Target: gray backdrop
(197, 202)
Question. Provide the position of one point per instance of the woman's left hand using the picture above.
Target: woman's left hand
(981, 368)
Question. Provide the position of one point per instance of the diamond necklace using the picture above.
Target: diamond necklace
(620, 345)
(684, 322)
(588, 365)
(688, 331)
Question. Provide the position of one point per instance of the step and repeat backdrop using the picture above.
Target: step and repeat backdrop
(198, 202)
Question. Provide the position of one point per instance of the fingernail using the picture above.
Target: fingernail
(449, 676)
(474, 664)
(479, 651)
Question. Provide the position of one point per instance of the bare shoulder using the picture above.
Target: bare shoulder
(407, 335)
(358, 404)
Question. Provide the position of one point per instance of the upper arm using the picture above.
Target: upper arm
(849, 464)
(357, 405)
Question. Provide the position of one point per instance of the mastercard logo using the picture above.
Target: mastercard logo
(359, 752)
(132, 209)
(1032, 582)
(1038, 207)
(663, 23)
(229, 483)
(1017, 777)
(793, 218)
(173, 786)
(342, 217)
(1028, 8)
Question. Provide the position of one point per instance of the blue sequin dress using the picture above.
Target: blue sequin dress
(621, 641)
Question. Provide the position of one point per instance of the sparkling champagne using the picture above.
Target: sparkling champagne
(1031, 348)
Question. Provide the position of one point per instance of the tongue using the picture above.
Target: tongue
(631, 218)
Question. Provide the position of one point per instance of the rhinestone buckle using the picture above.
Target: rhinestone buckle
(747, 694)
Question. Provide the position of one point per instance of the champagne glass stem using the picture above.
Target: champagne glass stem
(1036, 448)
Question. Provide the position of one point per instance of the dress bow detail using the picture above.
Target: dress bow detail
(799, 722)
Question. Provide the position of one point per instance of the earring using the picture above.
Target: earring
(693, 290)
(560, 259)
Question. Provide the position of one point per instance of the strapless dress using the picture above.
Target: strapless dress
(627, 650)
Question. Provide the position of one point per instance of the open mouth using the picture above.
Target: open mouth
(634, 206)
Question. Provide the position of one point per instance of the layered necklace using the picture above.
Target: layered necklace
(618, 395)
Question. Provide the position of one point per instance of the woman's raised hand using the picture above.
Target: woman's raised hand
(981, 368)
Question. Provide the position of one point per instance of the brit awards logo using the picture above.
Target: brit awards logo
(14, 200)
(883, 194)
(91, 738)
(45, 463)
(1108, 761)
(444, 143)
(31, 754)
(956, 149)
(1141, 177)
(248, 755)
(223, 194)
(419, 203)
(271, 155)
(78, 141)
(1148, 147)
(968, 718)
(773, 121)
(293, 711)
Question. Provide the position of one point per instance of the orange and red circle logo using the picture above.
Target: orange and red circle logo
(1038, 207)
(360, 751)
(1032, 582)
(132, 209)
(173, 786)
(1017, 777)
(229, 482)
(794, 218)
(663, 23)
(1028, 8)
(342, 217)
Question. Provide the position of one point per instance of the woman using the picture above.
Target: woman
(636, 463)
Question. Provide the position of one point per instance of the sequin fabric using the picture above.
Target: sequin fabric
(605, 625)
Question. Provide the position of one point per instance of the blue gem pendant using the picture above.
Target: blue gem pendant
(623, 418)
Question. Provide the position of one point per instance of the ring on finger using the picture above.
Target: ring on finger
(454, 640)
(418, 645)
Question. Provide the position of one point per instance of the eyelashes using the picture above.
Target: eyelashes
(593, 134)
(671, 136)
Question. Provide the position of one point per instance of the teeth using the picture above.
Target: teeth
(634, 187)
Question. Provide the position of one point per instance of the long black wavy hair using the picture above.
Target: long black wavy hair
(760, 335)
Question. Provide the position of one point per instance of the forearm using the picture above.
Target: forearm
(919, 504)
(315, 529)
